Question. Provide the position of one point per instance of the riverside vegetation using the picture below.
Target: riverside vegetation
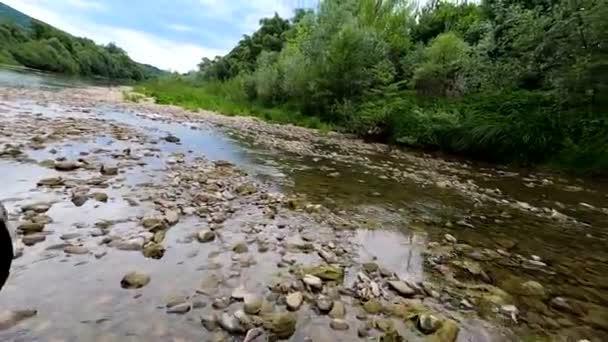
(500, 80)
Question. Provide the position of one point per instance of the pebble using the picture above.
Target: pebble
(134, 280)
(338, 324)
(180, 308)
(294, 300)
(240, 247)
(428, 323)
(252, 304)
(209, 322)
(205, 236)
(78, 250)
(313, 281)
(324, 303)
(338, 310)
(32, 239)
(230, 323)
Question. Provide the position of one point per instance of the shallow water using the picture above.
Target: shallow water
(78, 299)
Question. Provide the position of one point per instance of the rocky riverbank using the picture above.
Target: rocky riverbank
(155, 223)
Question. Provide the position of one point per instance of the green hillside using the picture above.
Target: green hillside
(28, 42)
(12, 16)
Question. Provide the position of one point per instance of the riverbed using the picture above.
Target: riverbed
(217, 215)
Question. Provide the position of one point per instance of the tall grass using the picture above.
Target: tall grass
(226, 97)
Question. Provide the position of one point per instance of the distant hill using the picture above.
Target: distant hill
(12, 16)
(32, 43)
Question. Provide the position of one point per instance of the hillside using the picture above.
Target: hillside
(12, 16)
(29, 42)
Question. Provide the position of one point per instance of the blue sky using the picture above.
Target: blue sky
(170, 34)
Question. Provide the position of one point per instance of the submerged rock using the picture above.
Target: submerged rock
(240, 247)
(66, 166)
(256, 335)
(338, 324)
(9, 319)
(79, 250)
(134, 280)
(180, 308)
(172, 139)
(338, 310)
(324, 303)
(205, 236)
(154, 251)
(51, 182)
(32, 239)
(108, 170)
(100, 196)
(30, 227)
(428, 323)
(252, 304)
(231, 324)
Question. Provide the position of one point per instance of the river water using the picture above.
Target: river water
(539, 237)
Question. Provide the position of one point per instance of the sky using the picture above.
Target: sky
(169, 34)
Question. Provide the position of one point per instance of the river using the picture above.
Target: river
(506, 254)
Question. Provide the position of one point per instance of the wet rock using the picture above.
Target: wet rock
(370, 267)
(313, 281)
(206, 236)
(78, 250)
(231, 324)
(239, 293)
(448, 332)
(100, 196)
(172, 217)
(209, 322)
(79, 200)
(338, 324)
(363, 331)
(244, 320)
(252, 304)
(99, 255)
(280, 325)
(329, 257)
(30, 228)
(338, 310)
(510, 311)
(326, 272)
(66, 166)
(564, 305)
(9, 319)
(324, 303)
(70, 236)
(108, 170)
(39, 208)
(401, 288)
(450, 238)
(428, 323)
(256, 335)
(240, 247)
(154, 251)
(32, 239)
(172, 139)
(294, 300)
(153, 223)
(134, 280)
(51, 182)
(134, 244)
(180, 309)
(373, 307)
(221, 303)
(246, 189)
(159, 236)
(533, 288)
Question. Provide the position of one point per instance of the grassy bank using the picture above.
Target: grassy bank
(223, 97)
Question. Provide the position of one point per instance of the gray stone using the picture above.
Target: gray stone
(338, 324)
(252, 304)
(324, 303)
(428, 323)
(231, 324)
(256, 335)
(338, 310)
(401, 288)
(209, 322)
(30, 228)
(66, 166)
(134, 280)
(79, 250)
(180, 309)
(313, 281)
(294, 300)
(205, 236)
(32, 239)
(240, 247)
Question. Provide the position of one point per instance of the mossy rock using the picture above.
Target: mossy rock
(280, 325)
(326, 272)
(448, 332)
(373, 307)
(154, 251)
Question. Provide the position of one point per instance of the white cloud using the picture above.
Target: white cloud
(85, 4)
(141, 46)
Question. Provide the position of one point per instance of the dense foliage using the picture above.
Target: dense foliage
(505, 80)
(37, 45)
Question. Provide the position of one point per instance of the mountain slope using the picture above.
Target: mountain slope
(29, 42)
(12, 16)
